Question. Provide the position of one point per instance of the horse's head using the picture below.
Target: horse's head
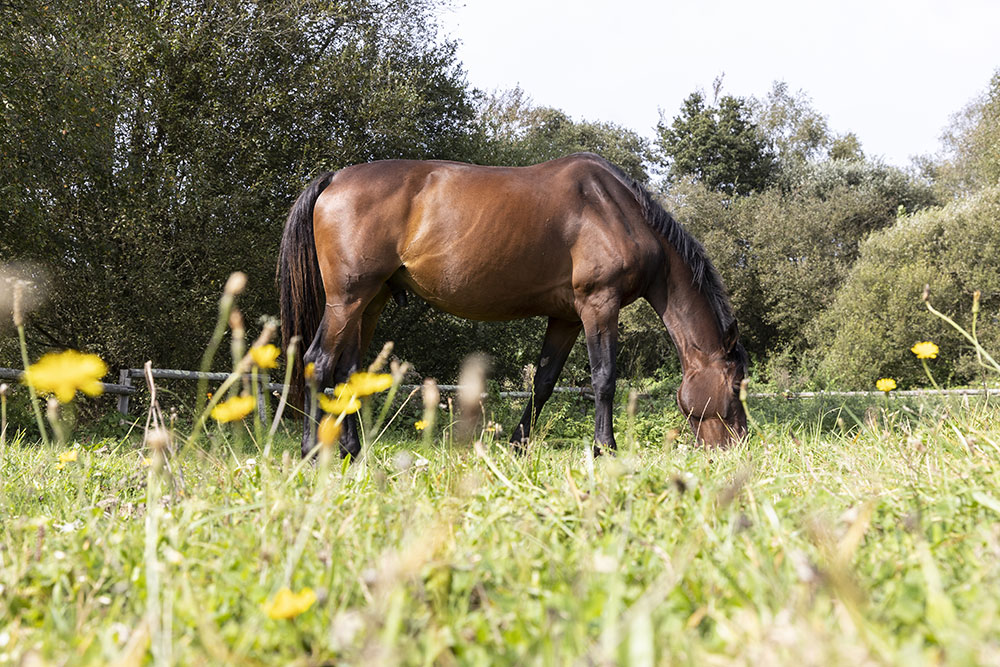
(709, 396)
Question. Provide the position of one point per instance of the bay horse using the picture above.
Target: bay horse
(573, 239)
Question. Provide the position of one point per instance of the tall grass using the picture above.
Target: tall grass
(872, 545)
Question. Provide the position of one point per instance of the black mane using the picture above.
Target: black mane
(704, 275)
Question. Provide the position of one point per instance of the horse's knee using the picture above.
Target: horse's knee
(604, 385)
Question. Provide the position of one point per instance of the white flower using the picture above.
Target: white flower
(604, 563)
(70, 527)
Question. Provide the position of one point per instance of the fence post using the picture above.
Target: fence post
(263, 382)
(124, 379)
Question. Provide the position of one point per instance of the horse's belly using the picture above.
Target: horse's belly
(493, 295)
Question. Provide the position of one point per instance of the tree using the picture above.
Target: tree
(151, 149)
(878, 314)
(971, 146)
(799, 133)
(718, 145)
(516, 132)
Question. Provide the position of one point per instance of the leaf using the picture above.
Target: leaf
(986, 501)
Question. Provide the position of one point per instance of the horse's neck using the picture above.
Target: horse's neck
(686, 313)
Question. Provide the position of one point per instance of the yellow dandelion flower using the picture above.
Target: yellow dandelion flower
(420, 425)
(328, 430)
(339, 404)
(66, 457)
(885, 384)
(310, 371)
(287, 604)
(265, 356)
(63, 373)
(365, 384)
(925, 350)
(233, 409)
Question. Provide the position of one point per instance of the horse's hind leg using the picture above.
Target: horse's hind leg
(335, 352)
(350, 362)
(559, 338)
(371, 315)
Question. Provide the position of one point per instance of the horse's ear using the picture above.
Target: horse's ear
(730, 337)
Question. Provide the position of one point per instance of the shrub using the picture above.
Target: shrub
(877, 314)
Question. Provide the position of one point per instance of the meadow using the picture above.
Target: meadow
(864, 534)
(840, 531)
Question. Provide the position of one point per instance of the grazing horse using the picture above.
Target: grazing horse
(574, 240)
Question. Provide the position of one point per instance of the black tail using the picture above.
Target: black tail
(300, 286)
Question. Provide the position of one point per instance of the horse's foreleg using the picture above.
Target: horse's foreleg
(600, 325)
(558, 343)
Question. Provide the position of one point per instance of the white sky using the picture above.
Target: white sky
(891, 71)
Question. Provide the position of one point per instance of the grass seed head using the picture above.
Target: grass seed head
(158, 439)
(236, 284)
(236, 324)
(382, 358)
(19, 303)
(432, 395)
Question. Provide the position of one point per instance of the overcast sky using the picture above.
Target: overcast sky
(891, 71)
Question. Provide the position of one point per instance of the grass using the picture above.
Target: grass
(867, 540)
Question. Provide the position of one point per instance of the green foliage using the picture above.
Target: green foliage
(150, 151)
(799, 133)
(878, 314)
(437, 342)
(717, 145)
(644, 346)
(884, 185)
(972, 146)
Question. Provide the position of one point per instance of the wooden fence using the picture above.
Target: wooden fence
(125, 387)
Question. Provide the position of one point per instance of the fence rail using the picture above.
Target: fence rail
(895, 392)
(125, 388)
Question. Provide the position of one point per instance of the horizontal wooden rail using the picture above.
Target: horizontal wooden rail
(895, 392)
(124, 389)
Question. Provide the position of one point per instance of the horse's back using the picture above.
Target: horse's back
(481, 242)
